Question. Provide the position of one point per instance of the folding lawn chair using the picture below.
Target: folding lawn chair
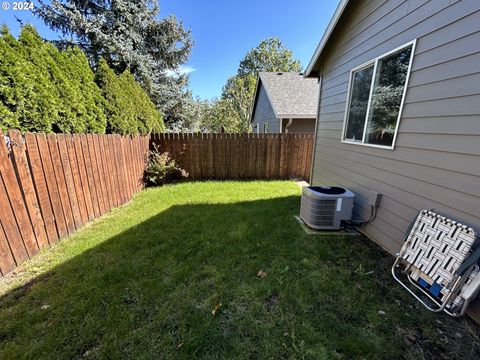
(439, 258)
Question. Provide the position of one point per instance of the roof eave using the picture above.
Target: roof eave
(297, 116)
(257, 84)
(326, 36)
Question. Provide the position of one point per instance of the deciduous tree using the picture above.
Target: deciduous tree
(222, 114)
(269, 55)
(239, 90)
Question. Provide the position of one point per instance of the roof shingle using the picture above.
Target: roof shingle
(290, 94)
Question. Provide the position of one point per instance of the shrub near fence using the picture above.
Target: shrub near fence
(240, 156)
(51, 185)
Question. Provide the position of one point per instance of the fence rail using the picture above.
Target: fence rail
(240, 156)
(53, 184)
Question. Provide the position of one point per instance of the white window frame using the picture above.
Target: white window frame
(374, 62)
(265, 128)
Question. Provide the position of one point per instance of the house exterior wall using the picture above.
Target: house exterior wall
(436, 160)
(264, 113)
(299, 125)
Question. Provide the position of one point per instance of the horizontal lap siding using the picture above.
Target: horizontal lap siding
(264, 113)
(299, 125)
(436, 161)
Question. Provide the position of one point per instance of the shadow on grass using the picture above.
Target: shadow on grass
(149, 292)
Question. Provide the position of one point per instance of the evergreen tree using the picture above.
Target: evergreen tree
(9, 82)
(92, 102)
(129, 109)
(43, 89)
(128, 35)
(28, 96)
(119, 115)
(195, 110)
(77, 105)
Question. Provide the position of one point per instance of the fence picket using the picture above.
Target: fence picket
(9, 218)
(110, 173)
(118, 160)
(41, 189)
(101, 175)
(77, 144)
(53, 191)
(15, 196)
(26, 184)
(53, 184)
(64, 203)
(130, 169)
(70, 186)
(113, 170)
(7, 262)
(114, 160)
(97, 174)
(88, 160)
(77, 184)
(240, 156)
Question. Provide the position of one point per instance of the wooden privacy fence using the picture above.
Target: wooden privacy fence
(50, 185)
(53, 184)
(240, 156)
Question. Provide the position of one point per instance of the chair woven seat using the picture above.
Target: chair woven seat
(434, 251)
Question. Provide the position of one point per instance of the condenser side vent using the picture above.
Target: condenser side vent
(326, 207)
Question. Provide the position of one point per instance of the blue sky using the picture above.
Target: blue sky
(224, 30)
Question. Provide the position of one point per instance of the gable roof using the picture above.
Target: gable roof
(309, 72)
(290, 94)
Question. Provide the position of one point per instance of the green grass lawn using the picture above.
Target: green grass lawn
(143, 281)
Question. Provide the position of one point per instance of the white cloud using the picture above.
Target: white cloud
(182, 70)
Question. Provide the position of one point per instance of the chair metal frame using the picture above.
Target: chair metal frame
(455, 287)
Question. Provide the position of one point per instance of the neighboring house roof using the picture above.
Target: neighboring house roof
(290, 94)
(312, 70)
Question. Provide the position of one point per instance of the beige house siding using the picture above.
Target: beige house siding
(299, 125)
(436, 160)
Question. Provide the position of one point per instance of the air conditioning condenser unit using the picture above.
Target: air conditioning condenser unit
(325, 207)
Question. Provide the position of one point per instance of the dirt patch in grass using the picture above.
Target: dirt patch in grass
(272, 300)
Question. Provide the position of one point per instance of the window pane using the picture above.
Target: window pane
(387, 95)
(362, 81)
